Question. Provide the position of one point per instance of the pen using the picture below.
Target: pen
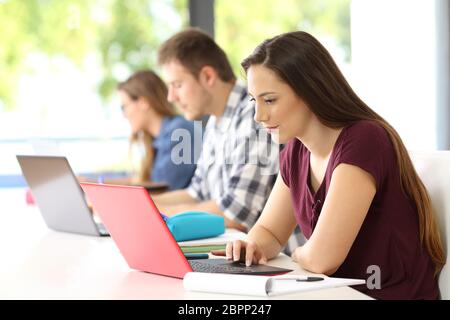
(193, 256)
(301, 279)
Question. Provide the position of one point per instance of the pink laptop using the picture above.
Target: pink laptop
(146, 243)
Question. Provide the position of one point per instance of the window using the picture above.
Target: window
(240, 28)
(394, 65)
(386, 49)
(60, 67)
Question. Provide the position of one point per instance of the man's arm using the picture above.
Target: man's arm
(174, 202)
(206, 206)
(173, 198)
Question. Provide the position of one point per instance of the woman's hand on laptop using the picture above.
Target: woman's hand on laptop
(239, 250)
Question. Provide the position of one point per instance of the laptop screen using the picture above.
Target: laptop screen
(138, 229)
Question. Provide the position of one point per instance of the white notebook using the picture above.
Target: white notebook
(228, 236)
(259, 285)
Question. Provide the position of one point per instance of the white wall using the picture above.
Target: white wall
(394, 65)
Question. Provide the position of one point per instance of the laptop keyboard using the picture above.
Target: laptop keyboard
(226, 267)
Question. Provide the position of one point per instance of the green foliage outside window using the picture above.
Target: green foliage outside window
(127, 33)
(241, 26)
(121, 32)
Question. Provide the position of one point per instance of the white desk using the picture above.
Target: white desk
(38, 263)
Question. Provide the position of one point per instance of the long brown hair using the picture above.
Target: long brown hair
(307, 67)
(147, 85)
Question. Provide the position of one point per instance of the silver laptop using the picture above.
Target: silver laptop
(58, 195)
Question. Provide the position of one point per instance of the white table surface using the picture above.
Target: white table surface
(38, 263)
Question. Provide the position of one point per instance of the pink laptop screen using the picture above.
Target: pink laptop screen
(137, 228)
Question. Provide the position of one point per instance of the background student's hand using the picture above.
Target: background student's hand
(247, 251)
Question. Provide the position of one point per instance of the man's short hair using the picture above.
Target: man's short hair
(195, 49)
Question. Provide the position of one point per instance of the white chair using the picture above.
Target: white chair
(434, 170)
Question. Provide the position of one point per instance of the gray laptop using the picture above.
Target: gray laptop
(58, 195)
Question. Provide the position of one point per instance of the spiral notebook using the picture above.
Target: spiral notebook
(262, 286)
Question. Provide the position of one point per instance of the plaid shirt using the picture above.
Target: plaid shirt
(238, 164)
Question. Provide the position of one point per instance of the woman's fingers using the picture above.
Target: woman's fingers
(229, 250)
(249, 253)
(221, 253)
(233, 250)
(237, 250)
(259, 257)
(254, 254)
(262, 259)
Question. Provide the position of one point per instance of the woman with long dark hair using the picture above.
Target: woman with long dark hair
(345, 178)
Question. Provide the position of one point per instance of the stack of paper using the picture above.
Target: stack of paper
(216, 243)
(258, 285)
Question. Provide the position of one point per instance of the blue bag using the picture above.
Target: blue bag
(193, 225)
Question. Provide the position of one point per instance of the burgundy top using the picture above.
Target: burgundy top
(389, 235)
